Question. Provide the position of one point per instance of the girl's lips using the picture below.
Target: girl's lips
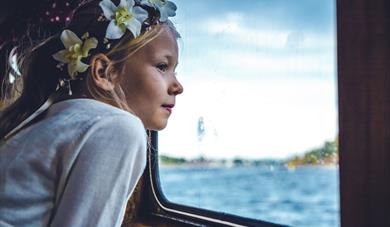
(168, 107)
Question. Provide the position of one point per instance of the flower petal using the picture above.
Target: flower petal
(68, 38)
(113, 31)
(171, 9)
(126, 3)
(72, 70)
(89, 44)
(167, 10)
(76, 67)
(108, 8)
(61, 56)
(81, 67)
(147, 2)
(163, 15)
(134, 27)
(130, 4)
(140, 14)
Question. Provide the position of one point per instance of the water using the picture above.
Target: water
(306, 196)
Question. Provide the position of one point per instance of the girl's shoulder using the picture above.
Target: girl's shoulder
(85, 106)
(70, 120)
(80, 112)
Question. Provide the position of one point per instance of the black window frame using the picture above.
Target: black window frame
(188, 215)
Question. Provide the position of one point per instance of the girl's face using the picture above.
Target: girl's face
(150, 83)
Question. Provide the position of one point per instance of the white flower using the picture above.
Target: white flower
(75, 50)
(166, 8)
(123, 17)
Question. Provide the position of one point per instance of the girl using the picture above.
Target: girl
(73, 142)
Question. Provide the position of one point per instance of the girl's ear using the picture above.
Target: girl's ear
(100, 72)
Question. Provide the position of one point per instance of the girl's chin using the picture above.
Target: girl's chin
(157, 126)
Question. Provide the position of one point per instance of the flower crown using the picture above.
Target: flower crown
(129, 15)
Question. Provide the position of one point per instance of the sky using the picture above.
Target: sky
(261, 74)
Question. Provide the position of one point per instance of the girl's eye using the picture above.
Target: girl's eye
(162, 67)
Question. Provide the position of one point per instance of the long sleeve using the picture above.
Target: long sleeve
(111, 160)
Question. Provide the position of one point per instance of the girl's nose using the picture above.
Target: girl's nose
(176, 88)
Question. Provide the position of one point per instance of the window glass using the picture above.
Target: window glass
(255, 131)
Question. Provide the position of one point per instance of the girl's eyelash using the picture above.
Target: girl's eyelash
(162, 66)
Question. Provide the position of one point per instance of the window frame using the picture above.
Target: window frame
(363, 53)
(188, 215)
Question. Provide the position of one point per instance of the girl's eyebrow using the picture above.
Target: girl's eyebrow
(170, 58)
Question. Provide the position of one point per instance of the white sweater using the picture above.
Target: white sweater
(77, 166)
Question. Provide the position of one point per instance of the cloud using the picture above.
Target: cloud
(252, 63)
(235, 28)
(249, 64)
(228, 46)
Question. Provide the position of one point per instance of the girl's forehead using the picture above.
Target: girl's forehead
(164, 44)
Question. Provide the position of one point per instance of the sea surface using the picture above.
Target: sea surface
(305, 196)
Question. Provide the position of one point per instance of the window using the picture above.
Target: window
(255, 131)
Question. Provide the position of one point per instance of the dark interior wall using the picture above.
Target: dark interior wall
(23, 21)
(364, 102)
